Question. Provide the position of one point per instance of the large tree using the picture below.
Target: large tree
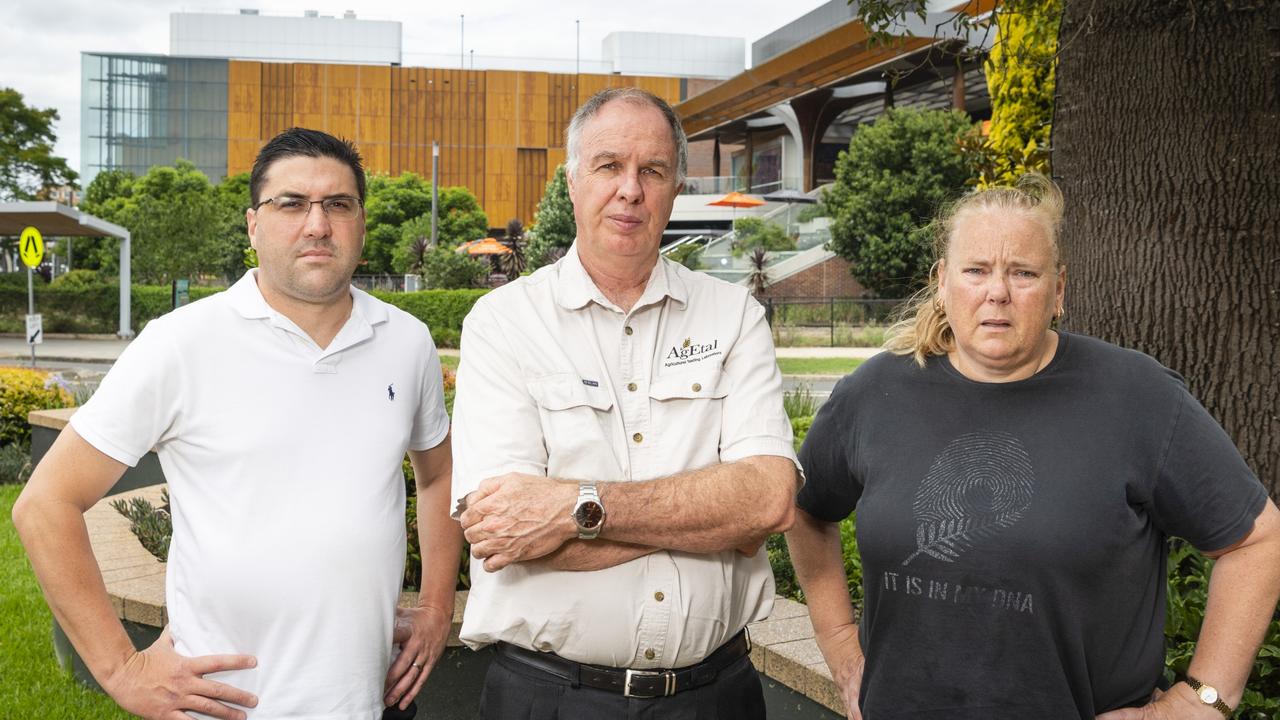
(1167, 145)
(1166, 142)
(889, 184)
(28, 167)
(554, 226)
(180, 225)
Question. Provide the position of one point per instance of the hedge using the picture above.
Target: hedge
(96, 309)
(88, 310)
(441, 310)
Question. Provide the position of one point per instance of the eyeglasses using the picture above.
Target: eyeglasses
(338, 207)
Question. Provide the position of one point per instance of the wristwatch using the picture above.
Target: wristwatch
(1208, 695)
(588, 512)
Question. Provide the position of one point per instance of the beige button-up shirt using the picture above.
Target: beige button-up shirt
(556, 380)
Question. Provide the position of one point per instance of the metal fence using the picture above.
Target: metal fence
(830, 321)
(383, 282)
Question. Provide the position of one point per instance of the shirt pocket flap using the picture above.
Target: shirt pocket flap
(704, 384)
(561, 392)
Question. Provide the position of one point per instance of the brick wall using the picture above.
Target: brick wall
(827, 279)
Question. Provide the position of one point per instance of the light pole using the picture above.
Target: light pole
(435, 188)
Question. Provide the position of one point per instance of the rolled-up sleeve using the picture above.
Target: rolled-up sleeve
(496, 426)
(753, 420)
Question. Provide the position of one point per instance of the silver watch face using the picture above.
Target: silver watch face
(1208, 694)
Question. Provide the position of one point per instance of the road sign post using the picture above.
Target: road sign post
(31, 248)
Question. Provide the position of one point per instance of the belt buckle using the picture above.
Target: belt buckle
(668, 683)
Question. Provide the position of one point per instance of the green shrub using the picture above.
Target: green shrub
(88, 309)
(441, 310)
(800, 402)
(753, 232)
(80, 278)
(15, 464)
(21, 391)
(799, 428)
(889, 184)
(1188, 591)
(96, 309)
(784, 573)
(688, 255)
(446, 269)
(151, 525)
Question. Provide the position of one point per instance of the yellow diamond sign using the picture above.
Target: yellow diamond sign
(31, 247)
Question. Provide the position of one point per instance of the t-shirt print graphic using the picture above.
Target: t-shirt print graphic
(980, 484)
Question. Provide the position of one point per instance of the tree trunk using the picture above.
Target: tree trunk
(1166, 142)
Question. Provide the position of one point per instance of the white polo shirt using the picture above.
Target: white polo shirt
(556, 380)
(283, 462)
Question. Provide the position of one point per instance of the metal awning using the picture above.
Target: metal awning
(56, 220)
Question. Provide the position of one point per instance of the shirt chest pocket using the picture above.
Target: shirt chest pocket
(576, 421)
(687, 408)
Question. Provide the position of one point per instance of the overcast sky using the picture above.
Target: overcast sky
(41, 40)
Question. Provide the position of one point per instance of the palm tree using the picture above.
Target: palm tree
(514, 262)
(758, 279)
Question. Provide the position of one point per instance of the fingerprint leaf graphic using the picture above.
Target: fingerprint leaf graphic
(980, 484)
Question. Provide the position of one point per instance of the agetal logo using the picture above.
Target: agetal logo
(689, 350)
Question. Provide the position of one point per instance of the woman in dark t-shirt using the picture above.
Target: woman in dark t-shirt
(1015, 487)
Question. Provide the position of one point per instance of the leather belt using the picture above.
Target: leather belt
(633, 683)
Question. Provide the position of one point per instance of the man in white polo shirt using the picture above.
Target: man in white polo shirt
(281, 411)
(621, 453)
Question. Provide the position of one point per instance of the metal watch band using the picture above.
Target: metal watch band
(587, 493)
(1217, 703)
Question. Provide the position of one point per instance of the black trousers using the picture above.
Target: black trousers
(515, 691)
(395, 713)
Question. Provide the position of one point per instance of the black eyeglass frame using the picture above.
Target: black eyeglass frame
(321, 202)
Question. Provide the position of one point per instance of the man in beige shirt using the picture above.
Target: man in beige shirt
(620, 454)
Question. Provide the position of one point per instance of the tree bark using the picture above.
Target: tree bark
(1166, 142)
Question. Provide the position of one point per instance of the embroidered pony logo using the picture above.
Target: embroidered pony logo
(391, 392)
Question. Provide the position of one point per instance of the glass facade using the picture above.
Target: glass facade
(137, 111)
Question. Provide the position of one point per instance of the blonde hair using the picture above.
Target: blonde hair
(921, 329)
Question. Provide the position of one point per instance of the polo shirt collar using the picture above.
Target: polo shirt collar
(366, 311)
(576, 288)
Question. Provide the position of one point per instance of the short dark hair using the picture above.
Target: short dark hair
(307, 143)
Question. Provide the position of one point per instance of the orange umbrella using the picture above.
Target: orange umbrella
(487, 246)
(737, 200)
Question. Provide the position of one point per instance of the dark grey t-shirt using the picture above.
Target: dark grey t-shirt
(1013, 534)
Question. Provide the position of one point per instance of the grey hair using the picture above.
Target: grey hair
(573, 135)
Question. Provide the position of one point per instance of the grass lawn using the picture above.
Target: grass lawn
(450, 361)
(34, 685)
(818, 366)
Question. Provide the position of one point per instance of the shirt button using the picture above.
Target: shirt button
(697, 387)
(631, 387)
(659, 596)
(627, 330)
(650, 654)
(637, 437)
